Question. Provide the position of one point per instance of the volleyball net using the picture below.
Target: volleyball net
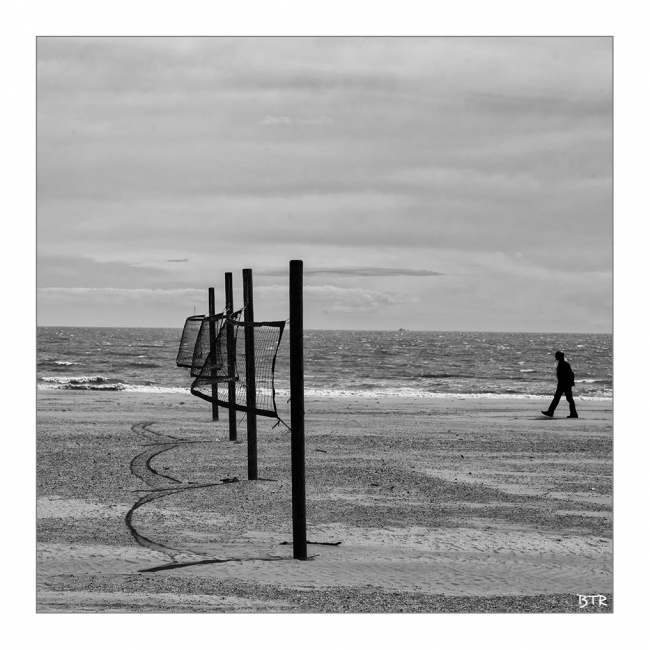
(218, 361)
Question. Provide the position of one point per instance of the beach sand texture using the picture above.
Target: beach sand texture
(413, 505)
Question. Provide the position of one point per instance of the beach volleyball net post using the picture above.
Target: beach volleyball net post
(297, 383)
(249, 355)
(230, 353)
(213, 361)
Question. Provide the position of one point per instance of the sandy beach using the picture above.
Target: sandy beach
(413, 505)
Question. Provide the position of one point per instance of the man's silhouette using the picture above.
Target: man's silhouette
(565, 380)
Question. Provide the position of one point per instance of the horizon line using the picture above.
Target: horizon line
(339, 329)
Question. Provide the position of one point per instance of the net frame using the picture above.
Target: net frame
(266, 351)
(204, 350)
(186, 347)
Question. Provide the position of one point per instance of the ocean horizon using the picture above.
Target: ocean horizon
(345, 363)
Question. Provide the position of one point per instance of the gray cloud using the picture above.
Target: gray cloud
(272, 120)
(75, 271)
(356, 299)
(352, 154)
(547, 107)
(79, 271)
(356, 271)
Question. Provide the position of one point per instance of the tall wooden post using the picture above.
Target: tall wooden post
(213, 358)
(297, 382)
(249, 347)
(230, 347)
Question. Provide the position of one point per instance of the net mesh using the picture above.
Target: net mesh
(206, 356)
(267, 337)
(191, 329)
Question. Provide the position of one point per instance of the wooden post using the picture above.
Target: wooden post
(298, 495)
(213, 358)
(249, 347)
(230, 347)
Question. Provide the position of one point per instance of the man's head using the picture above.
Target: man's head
(559, 356)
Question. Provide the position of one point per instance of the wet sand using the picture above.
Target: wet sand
(413, 505)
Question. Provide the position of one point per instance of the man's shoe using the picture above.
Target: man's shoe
(572, 416)
(547, 414)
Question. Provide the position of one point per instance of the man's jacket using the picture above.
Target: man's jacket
(565, 376)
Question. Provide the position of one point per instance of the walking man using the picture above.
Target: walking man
(565, 380)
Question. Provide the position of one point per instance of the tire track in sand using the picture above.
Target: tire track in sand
(141, 467)
(164, 486)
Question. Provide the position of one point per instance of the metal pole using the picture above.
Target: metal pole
(297, 382)
(230, 347)
(249, 347)
(213, 357)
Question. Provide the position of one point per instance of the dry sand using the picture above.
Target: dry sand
(437, 505)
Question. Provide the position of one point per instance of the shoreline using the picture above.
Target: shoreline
(324, 393)
(439, 505)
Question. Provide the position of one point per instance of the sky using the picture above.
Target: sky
(433, 183)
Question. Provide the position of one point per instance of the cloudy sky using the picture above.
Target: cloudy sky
(426, 183)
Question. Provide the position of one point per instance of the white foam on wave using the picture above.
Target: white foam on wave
(118, 386)
(91, 379)
(156, 389)
(322, 392)
(427, 395)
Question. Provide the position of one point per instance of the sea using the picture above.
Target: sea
(341, 363)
